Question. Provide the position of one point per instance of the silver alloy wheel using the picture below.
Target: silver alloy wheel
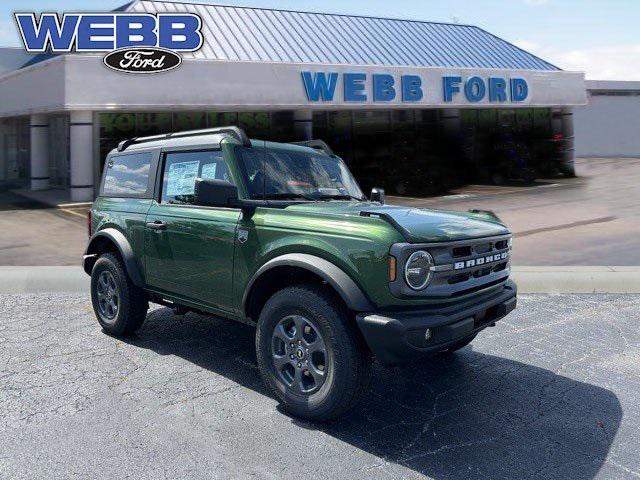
(108, 296)
(299, 354)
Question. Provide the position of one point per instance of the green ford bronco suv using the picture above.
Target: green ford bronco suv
(280, 235)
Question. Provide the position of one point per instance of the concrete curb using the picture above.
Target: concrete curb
(43, 280)
(577, 279)
(529, 279)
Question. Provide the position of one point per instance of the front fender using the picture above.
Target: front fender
(353, 296)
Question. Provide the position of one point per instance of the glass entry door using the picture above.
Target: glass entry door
(59, 172)
(15, 151)
(10, 154)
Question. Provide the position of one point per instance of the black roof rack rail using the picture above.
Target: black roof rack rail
(236, 132)
(317, 144)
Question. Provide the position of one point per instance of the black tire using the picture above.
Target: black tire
(347, 360)
(131, 302)
(458, 345)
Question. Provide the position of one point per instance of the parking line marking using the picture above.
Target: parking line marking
(564, 226)
(66, 210)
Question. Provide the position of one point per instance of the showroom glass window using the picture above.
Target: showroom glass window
(115, 127)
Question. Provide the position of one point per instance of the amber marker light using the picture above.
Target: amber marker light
(392, 268)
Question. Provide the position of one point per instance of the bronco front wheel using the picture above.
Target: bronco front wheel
(309, 353)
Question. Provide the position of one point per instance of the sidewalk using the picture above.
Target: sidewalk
(529, 279)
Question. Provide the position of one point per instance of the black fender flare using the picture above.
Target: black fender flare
(116, 237)
(349, 291)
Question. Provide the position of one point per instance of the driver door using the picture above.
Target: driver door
(189, 248)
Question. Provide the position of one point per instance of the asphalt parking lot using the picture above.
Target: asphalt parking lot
(551, 392)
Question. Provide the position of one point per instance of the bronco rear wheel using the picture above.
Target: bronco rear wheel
(309, 353)
(119, 305)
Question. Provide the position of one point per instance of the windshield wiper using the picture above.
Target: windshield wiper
(313, 198)
(337, 197)
(287, 196)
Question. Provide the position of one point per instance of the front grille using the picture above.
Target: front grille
(482, 272)
(501, 245)
(462, 277)
(501, 267)
(483, 248)
(458, 252)
(461, 267)
(467, 291)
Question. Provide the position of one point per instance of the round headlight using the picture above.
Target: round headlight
(417, 270)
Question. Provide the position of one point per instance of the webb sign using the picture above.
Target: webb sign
(136, 43)
(383, 87)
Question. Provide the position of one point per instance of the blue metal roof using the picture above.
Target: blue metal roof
(12, 58)
(257, 34)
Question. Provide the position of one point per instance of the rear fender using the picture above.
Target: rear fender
(116, 238)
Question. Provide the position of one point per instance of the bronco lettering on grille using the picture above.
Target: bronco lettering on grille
(481, 261)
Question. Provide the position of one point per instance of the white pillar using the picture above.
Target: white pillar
(39, 152)
(303, 120)
(81, 156)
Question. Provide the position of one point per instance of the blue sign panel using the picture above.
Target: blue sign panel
(383, 87)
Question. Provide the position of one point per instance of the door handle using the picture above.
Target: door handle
(157, 225)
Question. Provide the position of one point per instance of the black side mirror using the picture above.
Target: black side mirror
(216, 193)
(377, 195)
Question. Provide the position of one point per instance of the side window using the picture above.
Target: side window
(127, 174)
(181, 170)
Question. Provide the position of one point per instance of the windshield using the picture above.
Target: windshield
(285, 174)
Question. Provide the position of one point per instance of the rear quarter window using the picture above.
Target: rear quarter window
(127, 175)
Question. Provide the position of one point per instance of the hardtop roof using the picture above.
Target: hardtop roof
(206, 139)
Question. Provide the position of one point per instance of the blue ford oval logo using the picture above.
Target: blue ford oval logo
(142, 60)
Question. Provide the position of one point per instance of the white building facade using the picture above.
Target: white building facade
(381, 92)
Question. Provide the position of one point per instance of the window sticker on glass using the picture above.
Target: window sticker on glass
(182, 178)
(209, 170)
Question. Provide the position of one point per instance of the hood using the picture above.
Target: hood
(417, 225)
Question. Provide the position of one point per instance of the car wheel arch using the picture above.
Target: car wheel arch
(113, 240)
(307, 267)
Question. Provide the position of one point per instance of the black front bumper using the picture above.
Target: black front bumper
(397, 337)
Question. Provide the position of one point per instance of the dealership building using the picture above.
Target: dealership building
(402, 101)
(608, 125)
